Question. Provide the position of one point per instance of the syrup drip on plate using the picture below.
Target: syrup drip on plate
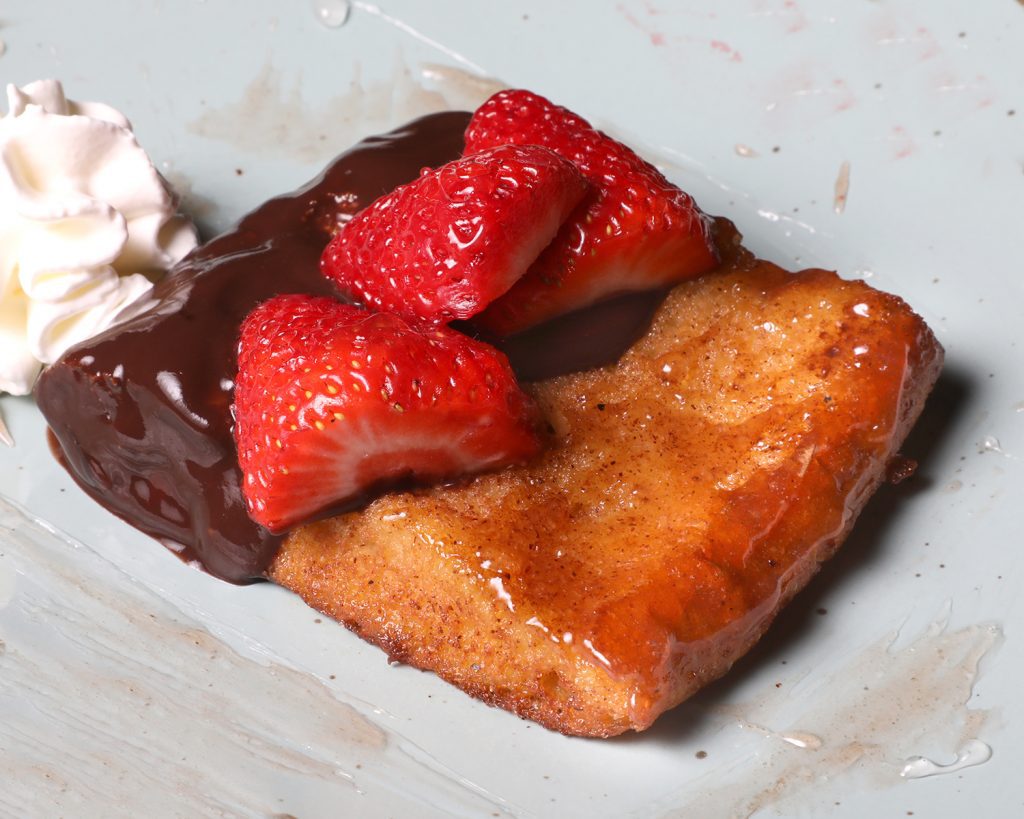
(974, 752)
(332, 13)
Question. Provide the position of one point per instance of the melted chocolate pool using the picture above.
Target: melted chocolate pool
(142, 414)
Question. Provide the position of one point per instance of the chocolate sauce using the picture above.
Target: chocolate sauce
(587, 338)
(142, 413)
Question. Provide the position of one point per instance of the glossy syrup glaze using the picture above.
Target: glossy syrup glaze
(690, 491)
(141, 415)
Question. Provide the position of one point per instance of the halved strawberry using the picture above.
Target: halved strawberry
(635, 230)
(447, 244)
(331, 401)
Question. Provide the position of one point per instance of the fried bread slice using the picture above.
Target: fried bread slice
(690, 491)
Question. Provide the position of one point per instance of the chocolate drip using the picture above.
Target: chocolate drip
(587, 338)
(142, 413)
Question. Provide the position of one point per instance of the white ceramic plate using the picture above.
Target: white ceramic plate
(131, 684)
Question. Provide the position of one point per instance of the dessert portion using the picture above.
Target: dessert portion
(329, 407)
(693, 488)
(86, 225)
(709, 444)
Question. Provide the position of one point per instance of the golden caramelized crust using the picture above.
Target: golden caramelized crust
(690, 491)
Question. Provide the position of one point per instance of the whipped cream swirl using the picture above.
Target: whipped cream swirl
(86, 225)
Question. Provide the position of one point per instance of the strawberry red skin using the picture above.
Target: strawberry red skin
(332, 401)
(447, 244)
(634, 230)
